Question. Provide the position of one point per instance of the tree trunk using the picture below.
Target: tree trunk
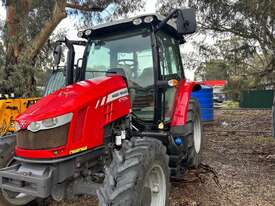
(59, 13)
(21, 49)
(15, 40)
(17, 12)
(21, 53)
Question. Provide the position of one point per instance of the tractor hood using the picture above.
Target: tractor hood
(71, 98)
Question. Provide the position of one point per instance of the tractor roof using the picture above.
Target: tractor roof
(128, 24)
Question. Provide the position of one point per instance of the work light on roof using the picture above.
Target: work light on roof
(80, 34)
(137, 21)
(88, 32)
(148, 19)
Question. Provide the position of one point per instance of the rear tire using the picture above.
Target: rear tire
(138, 175)
(194, 135)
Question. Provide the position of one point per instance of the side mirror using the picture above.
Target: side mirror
(79, 63)
(78, 67)
(57, 54)
(186, 21)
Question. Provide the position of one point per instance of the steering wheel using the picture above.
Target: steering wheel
(129, 66)
(127, 62)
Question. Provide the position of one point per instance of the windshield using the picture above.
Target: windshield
(133, 56)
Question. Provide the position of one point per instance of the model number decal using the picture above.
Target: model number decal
(81, 149)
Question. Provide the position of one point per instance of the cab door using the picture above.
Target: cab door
(170, 68)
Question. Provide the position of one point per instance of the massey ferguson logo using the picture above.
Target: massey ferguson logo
(23, 123)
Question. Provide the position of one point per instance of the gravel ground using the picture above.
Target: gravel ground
(238, 166)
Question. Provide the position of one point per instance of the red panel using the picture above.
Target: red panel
(78, 130)
(90, 94)
(182, 102)
(41, 154)
(213, 83)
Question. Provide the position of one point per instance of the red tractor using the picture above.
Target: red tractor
(120, 126)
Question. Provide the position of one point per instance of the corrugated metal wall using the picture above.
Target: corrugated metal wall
(257, 99)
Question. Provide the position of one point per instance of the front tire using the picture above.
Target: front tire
(194, 135)
(137, 176)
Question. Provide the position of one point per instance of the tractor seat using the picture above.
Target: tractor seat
(146, 78)
(144, 96)
(116, 70)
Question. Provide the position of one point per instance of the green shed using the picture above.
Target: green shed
(257, 99)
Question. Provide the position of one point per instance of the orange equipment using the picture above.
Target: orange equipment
(10, 109)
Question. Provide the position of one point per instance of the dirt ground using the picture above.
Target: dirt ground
(238, 166)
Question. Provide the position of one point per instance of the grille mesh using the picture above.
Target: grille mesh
(44, 139)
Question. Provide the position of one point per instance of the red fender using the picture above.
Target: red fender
(182, 102)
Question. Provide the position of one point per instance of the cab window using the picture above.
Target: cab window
(132, 55)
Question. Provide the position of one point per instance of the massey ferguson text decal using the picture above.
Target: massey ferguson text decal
(112, 97)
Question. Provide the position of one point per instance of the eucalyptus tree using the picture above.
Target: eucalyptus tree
(253, 21)
(28, 26)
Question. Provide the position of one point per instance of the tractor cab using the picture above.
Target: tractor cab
(145, 51)
(130, 55)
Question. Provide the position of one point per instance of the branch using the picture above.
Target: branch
(39, 40)
(244, 35)
(84, 7)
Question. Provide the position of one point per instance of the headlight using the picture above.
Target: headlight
(50, 123)
(34, 126)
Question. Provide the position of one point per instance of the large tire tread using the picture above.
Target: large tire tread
(125, 175)
(193, 158)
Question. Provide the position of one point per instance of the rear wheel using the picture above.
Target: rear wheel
(137, 176)
(194, 135)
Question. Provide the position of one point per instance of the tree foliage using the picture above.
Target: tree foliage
(230, 59)
(252, 20)
(28, 27)
(249, 28)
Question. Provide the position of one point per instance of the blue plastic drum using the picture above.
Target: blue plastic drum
(205, 99)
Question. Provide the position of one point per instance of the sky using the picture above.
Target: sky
(150, 7)
(2, 12)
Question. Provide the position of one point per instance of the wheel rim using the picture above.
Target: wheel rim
(197, 134)
(157, 184)
(16, 198)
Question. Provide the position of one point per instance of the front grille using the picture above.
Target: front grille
(44, 139)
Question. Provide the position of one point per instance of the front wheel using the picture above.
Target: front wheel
(138, 175)
(194, 135)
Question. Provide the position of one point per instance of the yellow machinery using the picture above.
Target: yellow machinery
(9, 110)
